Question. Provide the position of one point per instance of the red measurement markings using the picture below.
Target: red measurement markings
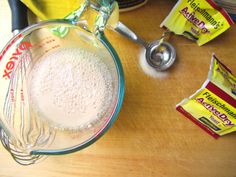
(9, 45)
(12, 96)
(22, 95)
(53, 47)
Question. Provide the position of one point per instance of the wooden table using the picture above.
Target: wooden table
(150, 138)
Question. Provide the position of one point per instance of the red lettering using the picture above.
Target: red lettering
(204, 30)
(223, 117)
(201, 24)
(17, 52)
(6, 74)
(200, 100)
(9, 45)
(217, 113)
(229, 123)
(10, 65)
(13, 58)
(214, 110)
(25, 45)
(185, 10)
(194, 20)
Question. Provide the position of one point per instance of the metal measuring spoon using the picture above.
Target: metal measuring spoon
(159, 54)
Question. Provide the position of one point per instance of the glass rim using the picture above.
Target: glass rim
(121, 84)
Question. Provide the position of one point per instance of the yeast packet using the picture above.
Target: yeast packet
(198, 20)
(213, 106)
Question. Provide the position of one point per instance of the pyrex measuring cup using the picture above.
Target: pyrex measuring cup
(28, 131)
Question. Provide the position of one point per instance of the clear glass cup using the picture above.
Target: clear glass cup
(27, 135)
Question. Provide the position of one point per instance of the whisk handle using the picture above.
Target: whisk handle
(19, 15)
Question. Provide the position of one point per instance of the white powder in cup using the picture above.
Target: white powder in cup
(71, 88)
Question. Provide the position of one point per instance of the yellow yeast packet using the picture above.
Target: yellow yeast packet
(213, 106)
(198, 20)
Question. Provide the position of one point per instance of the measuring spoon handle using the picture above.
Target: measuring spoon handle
(125, 31)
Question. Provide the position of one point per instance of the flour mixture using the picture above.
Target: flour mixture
(71, 88)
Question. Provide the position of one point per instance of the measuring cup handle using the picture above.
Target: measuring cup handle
(19, 15)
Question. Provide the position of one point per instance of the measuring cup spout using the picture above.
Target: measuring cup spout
(125, 31)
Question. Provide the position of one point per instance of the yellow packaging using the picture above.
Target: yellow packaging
(213, 107)
(198, 20)
(52, 9)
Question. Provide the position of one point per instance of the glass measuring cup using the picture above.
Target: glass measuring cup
(28, 134)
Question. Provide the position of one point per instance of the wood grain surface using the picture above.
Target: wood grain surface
(150, 138)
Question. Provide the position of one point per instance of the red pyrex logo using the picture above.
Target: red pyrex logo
(15, 57)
